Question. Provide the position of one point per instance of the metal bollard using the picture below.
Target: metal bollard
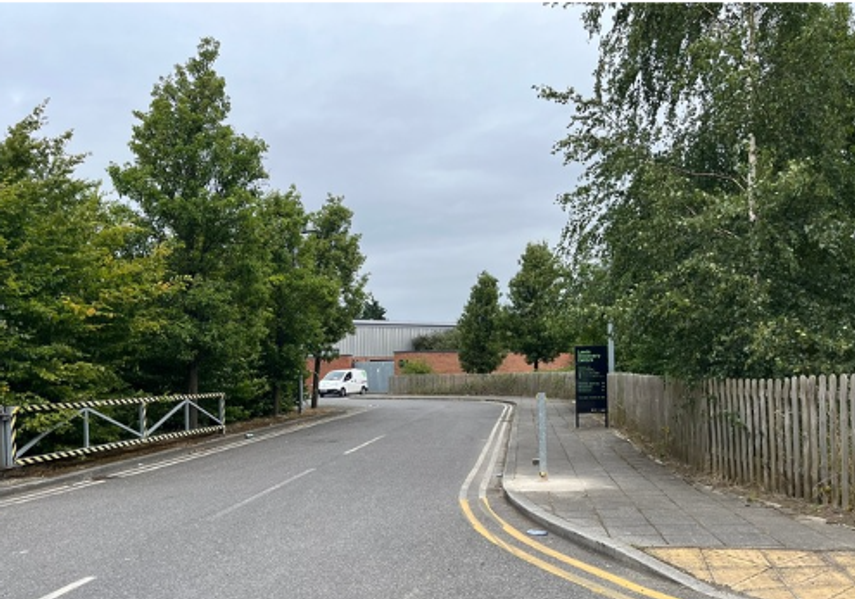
(541, 434)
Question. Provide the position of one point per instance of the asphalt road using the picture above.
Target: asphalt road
(397, 499)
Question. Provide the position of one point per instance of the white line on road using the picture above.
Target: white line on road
(491, 465)
(488, 447)
(204, 452)
(366, 444)
(69, 588)
(248, 500)
(34, 495)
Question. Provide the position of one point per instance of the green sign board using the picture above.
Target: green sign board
(592, 368)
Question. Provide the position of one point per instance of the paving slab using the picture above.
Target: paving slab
(602, 491)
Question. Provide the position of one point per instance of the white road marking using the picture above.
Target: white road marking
(69, 588)
(366, 444)
(488, 447)
(145, 468)
(201, 453)
(491, 465)
(261, 494)
(18, 500)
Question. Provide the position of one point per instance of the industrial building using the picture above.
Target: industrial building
(373, 345)
(380, 347)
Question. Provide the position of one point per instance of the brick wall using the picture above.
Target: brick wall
(442, 362)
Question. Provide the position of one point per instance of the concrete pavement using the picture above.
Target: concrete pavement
(604, 493)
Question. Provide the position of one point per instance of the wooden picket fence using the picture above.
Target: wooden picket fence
(793, 436)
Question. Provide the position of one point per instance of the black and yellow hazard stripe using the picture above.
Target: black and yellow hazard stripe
(59, 455)
(48, 407)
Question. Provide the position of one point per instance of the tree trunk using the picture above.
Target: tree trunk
(316, 376)
(751, 59)
(753, 73)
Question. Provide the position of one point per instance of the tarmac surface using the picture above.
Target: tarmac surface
(603, 492)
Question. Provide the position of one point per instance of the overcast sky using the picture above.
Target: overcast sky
(422, 116)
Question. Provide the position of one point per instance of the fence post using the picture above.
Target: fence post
(8, 449)
(222, 408)
(85, 427)
(186, 412)
(143, 413)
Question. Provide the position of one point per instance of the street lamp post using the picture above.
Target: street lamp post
(302, 355)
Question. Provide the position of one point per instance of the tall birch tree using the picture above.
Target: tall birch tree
(717, 185)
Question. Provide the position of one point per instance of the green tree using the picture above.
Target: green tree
(198, 184)
(372, 310)
(715, 204)
(532, 320)
(73, 292)
(299, 298)
(336, 257)
(479, 327)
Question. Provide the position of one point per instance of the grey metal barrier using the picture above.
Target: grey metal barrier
(12, 456)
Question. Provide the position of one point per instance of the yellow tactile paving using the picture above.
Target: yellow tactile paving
(805, 576)
(846, 559)
(787, 558)
(772, 594)
(768, 573)
(690, 560)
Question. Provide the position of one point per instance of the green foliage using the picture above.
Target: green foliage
(371, 309)
(532, 320)
(713, 222)
(73, 290)
(282, 220)
(479, 328)
(416, 367)
(199, 279)
(334, 255)
(448, 340)
(298, 298)
(198, 185)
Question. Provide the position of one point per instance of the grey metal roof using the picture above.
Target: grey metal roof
(382, 338)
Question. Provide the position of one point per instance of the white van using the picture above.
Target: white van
(344, 382)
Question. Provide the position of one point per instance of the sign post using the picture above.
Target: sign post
(592, 370)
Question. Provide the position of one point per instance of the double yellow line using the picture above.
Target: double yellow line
(533, 559)
(596, 584)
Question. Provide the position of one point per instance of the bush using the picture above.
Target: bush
(416, 367)
(438, 341)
